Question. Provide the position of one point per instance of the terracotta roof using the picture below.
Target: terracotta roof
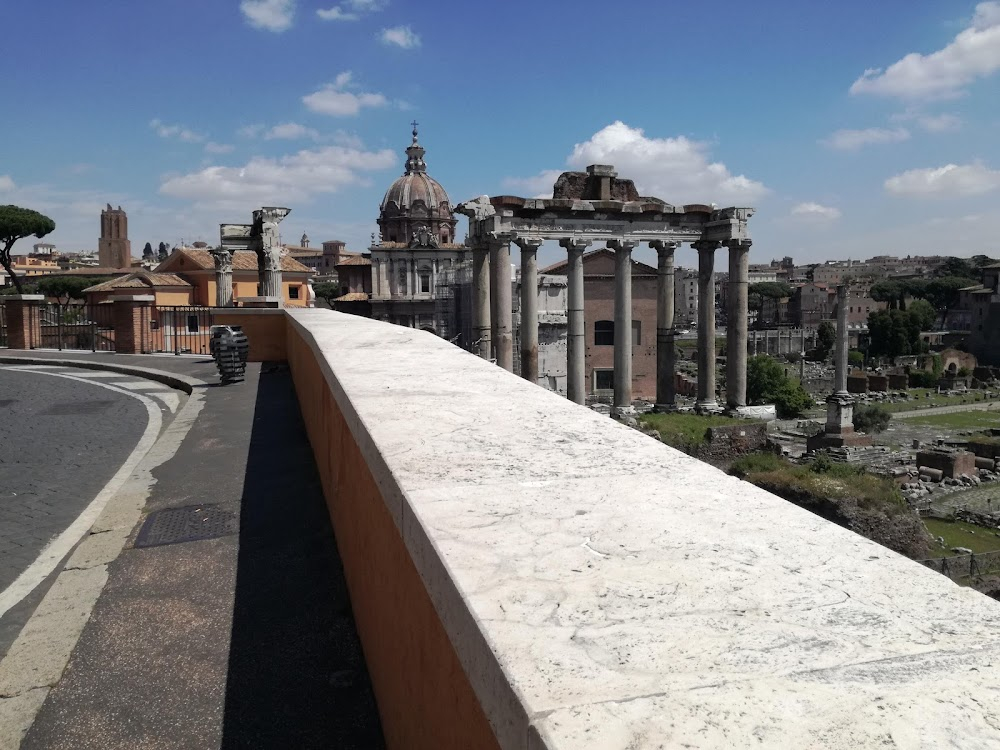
(356, 260)
(97, 271)
(243, 260)
(352, 297)
(140, 280)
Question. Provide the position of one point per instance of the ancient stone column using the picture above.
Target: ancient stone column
(494, 316)
(706, 401)
(575, 344)
(223, 277)
(481, 326)
(840, 353)
(529, 307)
(623, 322)
(504, 323)
(736, 330)
(665, 364)
(270, 285)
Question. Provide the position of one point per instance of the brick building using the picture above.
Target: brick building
(599, 319)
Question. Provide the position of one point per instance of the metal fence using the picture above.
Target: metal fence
(178, 329)
(960, 567)
(89, 327)
(3, 324)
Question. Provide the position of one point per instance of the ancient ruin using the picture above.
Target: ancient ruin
(114, 249)
(598, 206)
(839, 430)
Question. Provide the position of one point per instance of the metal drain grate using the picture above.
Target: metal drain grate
(189, 524)
(68, 408)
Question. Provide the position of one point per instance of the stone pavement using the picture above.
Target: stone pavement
(242, 638)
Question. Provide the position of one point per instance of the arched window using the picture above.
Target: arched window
(604, 333)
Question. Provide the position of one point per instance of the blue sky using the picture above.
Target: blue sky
(855, 128)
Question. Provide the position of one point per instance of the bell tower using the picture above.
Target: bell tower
(114, 249)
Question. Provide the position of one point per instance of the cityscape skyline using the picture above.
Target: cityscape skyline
(894, 117)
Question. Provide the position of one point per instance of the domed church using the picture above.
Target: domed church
(415, 247)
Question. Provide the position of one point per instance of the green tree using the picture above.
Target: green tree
(871, 419)
(978, 261)
(327, 291)
(943, 292)
(65, 288)
(163, 252)
(923, 313)
(767, 383)
(956, 267)
(17, 223)
(764, 290)
(890, 292)
(855, 358)
(147, 252)
(826, 337)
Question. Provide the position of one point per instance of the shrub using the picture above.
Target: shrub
(753, 463)
(923, 379)
(871, 419)
(855, 358)
(964, 372)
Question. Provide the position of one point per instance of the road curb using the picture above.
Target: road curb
(178, 382)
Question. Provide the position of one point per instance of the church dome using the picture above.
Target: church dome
(416, 205)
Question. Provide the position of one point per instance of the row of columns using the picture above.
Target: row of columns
(492, 317)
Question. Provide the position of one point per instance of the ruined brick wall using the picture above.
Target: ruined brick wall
(951, 464)
(732, 441)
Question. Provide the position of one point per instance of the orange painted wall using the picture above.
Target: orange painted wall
(265, 332)
(424, 697)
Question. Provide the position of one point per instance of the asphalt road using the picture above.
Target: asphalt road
(61, 441)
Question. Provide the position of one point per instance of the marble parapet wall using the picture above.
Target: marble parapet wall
(598, 589)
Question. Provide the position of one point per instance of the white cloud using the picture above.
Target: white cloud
(401, 36)
(350, 10)
(940, 123)
(852, 140)
(175, 131)
(336, 13)
(291, 131)
(334, 98)
(815, 212)
(539, 186)
(949, 180)
(270, 15)
(677, 170)
(218, 148)
(282, 181)
(6, 183)
(974, 53)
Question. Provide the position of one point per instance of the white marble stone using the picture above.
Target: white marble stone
(603, 590)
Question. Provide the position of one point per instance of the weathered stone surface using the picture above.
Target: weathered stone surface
(630, 596)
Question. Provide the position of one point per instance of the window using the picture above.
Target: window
(604, 333)
(636, 332)
(192, 323)
(425, 282)
(293, 292)
(604, 380)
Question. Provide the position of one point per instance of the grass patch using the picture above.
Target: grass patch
(685, 432)
(845, 494)
(918, 398)
(962, 420)
(961, 534)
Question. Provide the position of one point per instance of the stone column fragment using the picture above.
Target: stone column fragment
(529, 307)
(503, 325)
(706, 401)
(576, 389)
(840, 353)
(736, 329)
(623, 323)
(665, 354)
(481, 324)
(223, 277)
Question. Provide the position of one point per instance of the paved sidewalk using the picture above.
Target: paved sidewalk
(241, 639)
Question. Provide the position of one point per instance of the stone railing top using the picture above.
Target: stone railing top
(605, 591)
